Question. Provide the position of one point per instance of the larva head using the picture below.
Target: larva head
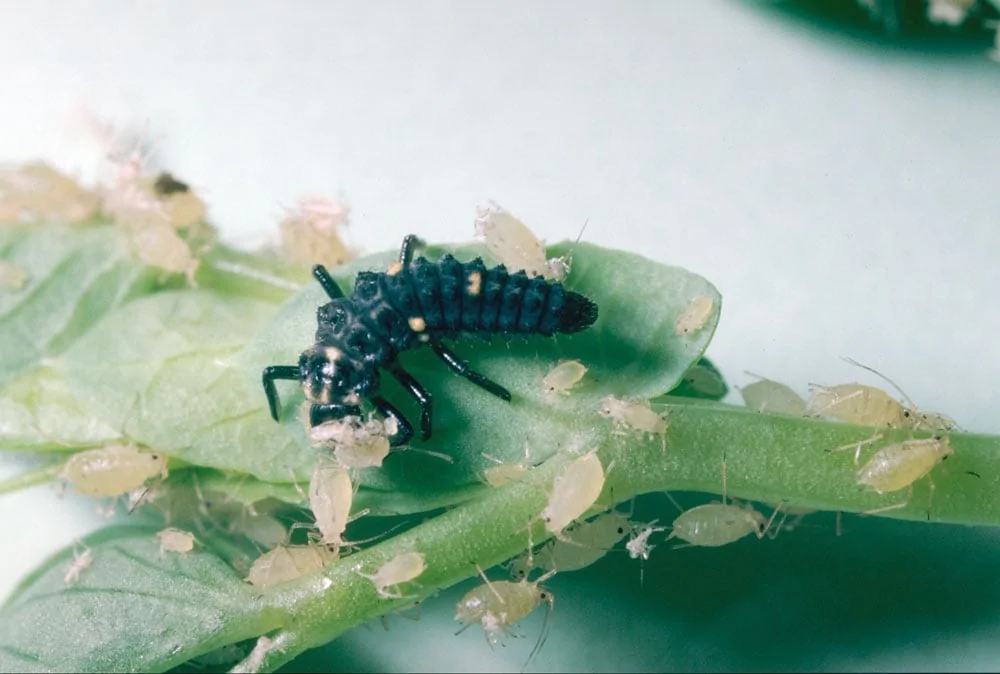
(329, 376)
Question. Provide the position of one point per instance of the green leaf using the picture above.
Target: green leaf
(234, 272)
(130, 610)
(75, 276)
(633, 350)
(41, 413)
(163, 370)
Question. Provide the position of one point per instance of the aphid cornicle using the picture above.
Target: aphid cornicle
(417, 302)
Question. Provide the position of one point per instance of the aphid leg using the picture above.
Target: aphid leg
(269, 376)
(404, 430)
(856, 446)
(330, 286)
(930, 495)
(459, 366)
(674, 501)
(406, 250)
(895, 506)
(767, 527)
(319, 414)
(295, 483)
(414, 388)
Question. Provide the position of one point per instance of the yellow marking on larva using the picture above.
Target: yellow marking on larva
(417, 324)
(475, 283)
(332, 353)
(394, 269)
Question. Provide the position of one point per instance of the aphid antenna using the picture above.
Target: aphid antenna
(295, 483)
(835, 401)
(674, 501)
(756, 376)
(567, 259)
(482, 574)
(550, 599)
(883, 377)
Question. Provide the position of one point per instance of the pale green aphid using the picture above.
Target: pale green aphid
(175, 540)
(563, 377)
(695, 315)
(768, 395)
(502, 473)
(288, 562)
(899, 465)
(717, 524)
(515, 245)
(634, 415)
(870, 406)
(574, 491)
(112, 470)
(580, 546)
(498, 605)
(400, 569)
(330, 496)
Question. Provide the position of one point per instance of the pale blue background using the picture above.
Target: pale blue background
(841, 193)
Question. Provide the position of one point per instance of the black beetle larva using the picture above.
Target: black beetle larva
(417, 302)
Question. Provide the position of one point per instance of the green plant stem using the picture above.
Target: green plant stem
(769, 458)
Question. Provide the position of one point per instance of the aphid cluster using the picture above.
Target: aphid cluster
(892, 468)
(37, 192)
(417, 302)
(161, 216)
